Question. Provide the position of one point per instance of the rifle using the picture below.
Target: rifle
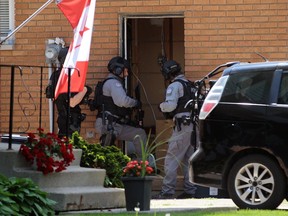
(162, 59)
(140, 112)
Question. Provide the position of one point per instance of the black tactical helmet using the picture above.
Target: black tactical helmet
(117, 65)
(170, 69)
(62, 55)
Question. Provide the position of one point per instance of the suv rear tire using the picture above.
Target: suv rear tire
(256, 182)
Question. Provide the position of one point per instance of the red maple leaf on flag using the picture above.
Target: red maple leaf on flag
(80, 14)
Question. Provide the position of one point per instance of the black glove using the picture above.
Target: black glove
(85, 99)
(138, 105)
(89, 90)
(91, 104)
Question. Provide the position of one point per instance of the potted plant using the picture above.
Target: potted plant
(138, 175)
(137, 185)
(47, 151)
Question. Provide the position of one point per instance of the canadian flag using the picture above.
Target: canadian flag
(80, 14)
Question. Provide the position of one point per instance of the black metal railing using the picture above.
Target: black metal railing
(24, 100)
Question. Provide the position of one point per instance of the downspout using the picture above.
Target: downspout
(51, 107)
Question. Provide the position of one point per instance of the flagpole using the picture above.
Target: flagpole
(68, 107)
(26, 21)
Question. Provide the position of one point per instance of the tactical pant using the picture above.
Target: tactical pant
(126, 133)
(178, 153)
(74, 124)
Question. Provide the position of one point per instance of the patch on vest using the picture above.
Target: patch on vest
(169, 91)
(118, 84)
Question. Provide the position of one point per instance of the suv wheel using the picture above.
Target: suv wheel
(256, 182)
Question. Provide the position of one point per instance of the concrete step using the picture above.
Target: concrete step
(76, 188)
(73, 176)
(85, 198)
(12, 159)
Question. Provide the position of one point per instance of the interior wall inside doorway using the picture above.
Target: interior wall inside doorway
(146, 44)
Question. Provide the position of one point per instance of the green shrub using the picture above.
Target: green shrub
(109, 158)
(21, 196)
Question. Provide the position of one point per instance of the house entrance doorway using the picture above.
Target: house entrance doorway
(145, 42)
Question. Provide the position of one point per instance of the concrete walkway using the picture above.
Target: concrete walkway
(173, 205)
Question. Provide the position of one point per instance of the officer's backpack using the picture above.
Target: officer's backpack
(98, 95)
(193, 92)
(189, 93)
(188, 87)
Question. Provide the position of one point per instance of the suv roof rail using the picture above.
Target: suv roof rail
(216, 71)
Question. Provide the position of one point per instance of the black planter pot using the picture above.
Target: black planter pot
(137, 192)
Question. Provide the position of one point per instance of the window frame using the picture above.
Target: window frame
(9, 43)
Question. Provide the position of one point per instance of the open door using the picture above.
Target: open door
(146, 40)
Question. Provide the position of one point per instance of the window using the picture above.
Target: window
(249, 87)
(6, 22)
(283, 91)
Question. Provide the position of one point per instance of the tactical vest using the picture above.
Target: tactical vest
(109, 106)
(189, 93)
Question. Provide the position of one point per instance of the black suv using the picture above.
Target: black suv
(243, 126)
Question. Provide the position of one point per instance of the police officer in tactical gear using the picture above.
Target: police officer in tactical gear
(178, 93)
(75, 116)
(117, 106)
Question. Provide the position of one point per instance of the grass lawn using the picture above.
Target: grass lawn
(208, 212)
(193, 207)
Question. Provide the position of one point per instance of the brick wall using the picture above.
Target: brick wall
(216, 31)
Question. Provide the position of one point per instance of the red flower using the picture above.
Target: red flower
(50, 153)
(136, 169)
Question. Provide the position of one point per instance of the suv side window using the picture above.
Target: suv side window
(283, 91)
(248, 87)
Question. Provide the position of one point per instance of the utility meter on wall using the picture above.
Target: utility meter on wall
(53, 48)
